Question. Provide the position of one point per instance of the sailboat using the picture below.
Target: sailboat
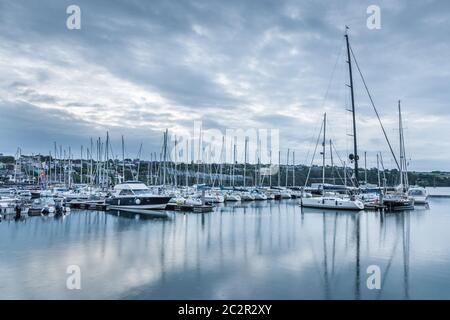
(332, 201)
(400, 199)
(339, 201)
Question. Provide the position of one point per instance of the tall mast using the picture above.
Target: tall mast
(176, 159)
(245, 160)
(403, 169)
(234, 160)
(378, 170)
(165, 156)
(279, 167)
(222, 156)
(54, 163)
(287, 166)
(187, 162)
(323, 148)
(365, 167)
(123, 160)
(81, 166)
(270, 167)
(355, 148)
(293, 168)
(106, 175)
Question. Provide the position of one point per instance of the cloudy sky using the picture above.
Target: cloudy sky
(138, 67)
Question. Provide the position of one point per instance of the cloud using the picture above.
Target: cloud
(141, 67)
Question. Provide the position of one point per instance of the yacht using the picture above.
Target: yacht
(332, 202)
(133, 193)
(419, 194)
(398, 202)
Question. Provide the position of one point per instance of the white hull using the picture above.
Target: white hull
(285, 195)
(259, 196)
(247, 197)
(332, 203)
(232, 197)
(420, 200)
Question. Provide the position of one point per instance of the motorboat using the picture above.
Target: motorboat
(136, 194)
(419, 194)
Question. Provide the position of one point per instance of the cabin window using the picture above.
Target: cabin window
(126, 192)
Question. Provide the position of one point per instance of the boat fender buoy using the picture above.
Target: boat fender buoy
(137, 201)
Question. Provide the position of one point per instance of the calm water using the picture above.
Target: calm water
(263, 250)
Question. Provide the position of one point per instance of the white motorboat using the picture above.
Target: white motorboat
(132, 193)
(419, 194)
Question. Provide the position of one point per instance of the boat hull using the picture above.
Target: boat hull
(332, 204)
(153, 202)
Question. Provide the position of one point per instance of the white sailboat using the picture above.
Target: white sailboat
(334, 202)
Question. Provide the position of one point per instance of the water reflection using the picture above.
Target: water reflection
(265, 250)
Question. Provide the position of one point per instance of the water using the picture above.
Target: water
(258, 250)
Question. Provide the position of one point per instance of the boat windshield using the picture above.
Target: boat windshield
(416, 193)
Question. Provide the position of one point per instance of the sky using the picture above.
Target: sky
(136, 68)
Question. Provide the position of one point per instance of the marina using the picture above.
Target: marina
(224, 150)
(243, 250)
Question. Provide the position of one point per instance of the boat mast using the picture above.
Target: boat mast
(355, 148)
(378, 170)
(403, 169)
(245, 159)
(165, 157)
(365, 167)
(279, 168)
(176, 159)
(270, 167)
(287, 166)
(293, 168)
(323, 149)
(81, 166)
(187, 162)
(123, 160)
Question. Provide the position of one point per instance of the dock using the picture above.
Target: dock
(99, 205)
(142, 213)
